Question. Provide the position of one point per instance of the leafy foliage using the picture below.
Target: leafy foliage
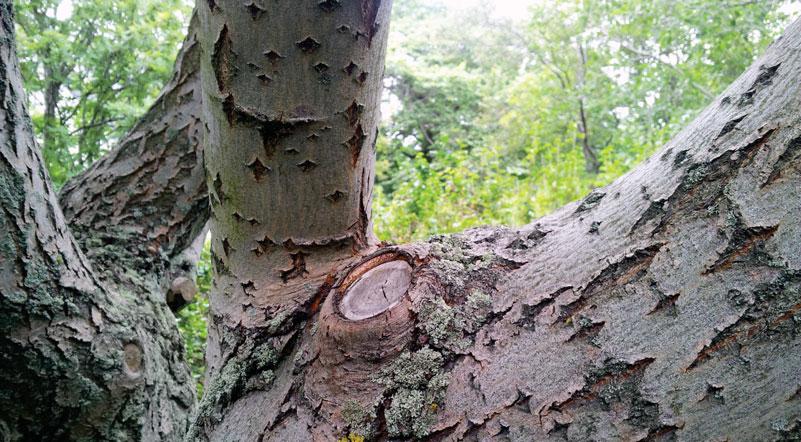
(498, 122)
(91, 75)
(192, 319)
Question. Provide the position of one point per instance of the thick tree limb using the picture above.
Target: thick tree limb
(142, 205)
(79, 358)
(291, 100)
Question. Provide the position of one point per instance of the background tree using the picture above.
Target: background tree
(506, 99)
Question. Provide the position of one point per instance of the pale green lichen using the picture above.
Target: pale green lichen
(218, 393)
(261, 381)
(482, 263)
(408, 416)
(449, 327)
(449, 248)
(439, 322)
(455, 261)
(277, 322)
(251, 369)
(450, 273)
(262, 360)
(416, 383)
(361, 420)
(264, 356)
(696, 174)
(476, 310)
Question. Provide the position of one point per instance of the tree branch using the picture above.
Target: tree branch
(145, 202)
(291, 99)
(708, 95)
(78, 360)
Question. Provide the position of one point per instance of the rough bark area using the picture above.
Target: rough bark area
(291, 94)
(88, 347)
(664, 306)
(140, 208)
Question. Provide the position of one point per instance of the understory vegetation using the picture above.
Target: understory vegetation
(487, 119)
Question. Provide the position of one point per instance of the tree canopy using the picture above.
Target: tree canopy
(91, 67)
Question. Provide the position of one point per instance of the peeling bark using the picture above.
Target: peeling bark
(143, 205)
(88, 347)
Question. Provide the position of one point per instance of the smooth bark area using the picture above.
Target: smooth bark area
(291, 94)
(89, 348)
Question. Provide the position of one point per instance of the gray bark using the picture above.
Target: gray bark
(88, 347)
(143, 205)
(664, 306)
(292, 117)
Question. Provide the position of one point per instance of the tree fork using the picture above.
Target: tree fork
(665, 305)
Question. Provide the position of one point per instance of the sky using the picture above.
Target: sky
(503, 8)
(518, 8)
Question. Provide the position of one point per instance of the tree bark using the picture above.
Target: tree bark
(663, 306)
(88, 347)
(292, 117)
(143, 205)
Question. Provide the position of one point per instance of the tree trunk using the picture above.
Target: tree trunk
(663, 306)
(88, 347)
(292, 117)
(51, 97)
(591, 163)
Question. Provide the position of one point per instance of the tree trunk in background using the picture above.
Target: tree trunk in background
(591, 163)
(51, 97)
(665, 305)
(88, 347)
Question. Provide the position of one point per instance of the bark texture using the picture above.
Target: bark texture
(665, 306)
(141, 207)
(88, 347)
(291, 94)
